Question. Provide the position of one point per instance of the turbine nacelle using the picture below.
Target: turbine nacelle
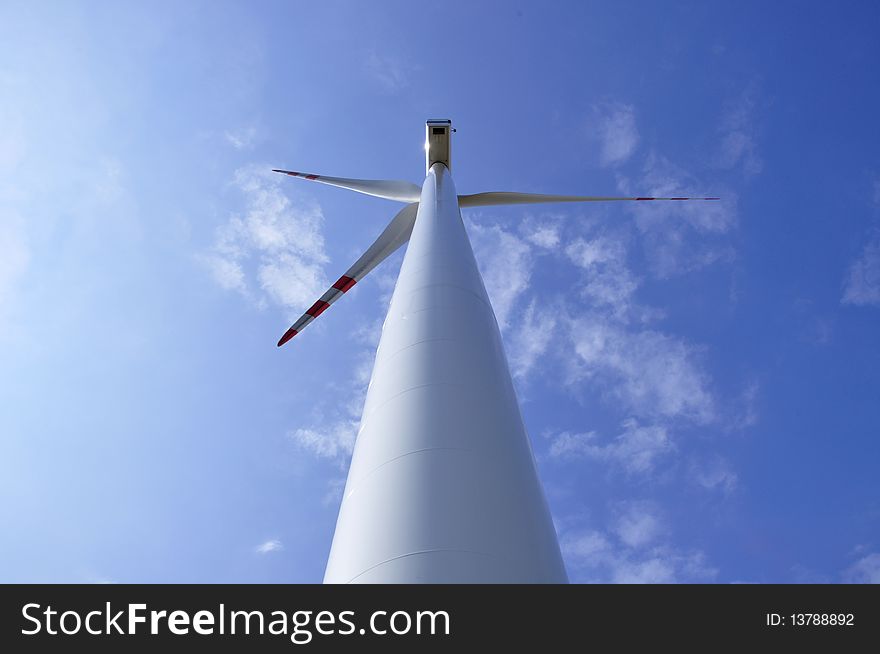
(437, 143)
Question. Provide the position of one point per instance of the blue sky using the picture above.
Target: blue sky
(700, 382)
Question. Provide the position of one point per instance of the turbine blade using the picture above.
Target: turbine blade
(503, 197)
(395, 234)
(389, 189)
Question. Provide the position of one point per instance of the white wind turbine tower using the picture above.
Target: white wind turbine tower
(442, 485)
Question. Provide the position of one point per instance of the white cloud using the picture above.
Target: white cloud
(738, 140)
(864, 571)
(650, 373)
(228, 273)
(332, 437)
(818, 330)
(738, 146)
(391, 73)
(679, 237)
(608, 280)
(271, 545)
(584, 546)
(333, 441)
(569, 445)
(241, 139)
(715, 475)
(804, 575)
(745, 407)
(587, 253)
(505, 261)
(636, 449)
(615, 127)
(653, 570)
(529, 342)
(544, 236)
(638, 524)
(335, 488)
(634, 551)
(612, 286)
(273, 223)
(663, 178)
(332, 433)
(276, 245)
(862, 286)
(664, 566)
(291, 280)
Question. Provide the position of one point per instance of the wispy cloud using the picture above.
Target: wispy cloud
(505, 261)
(614, 346)
(679, 237)
(269, 546)
(228, 273)
(543, 235)
(636, 448)
(335, 488)
(745, 407)
(583, 547)
(333, 430)
(390, 73)
(588, 253)
(614, 124)
(714, 474)
(598, 330)
(664, 565)
(333, 441)
(804, 575)
(864, 571)
(273, 250)
(738, 140)
(862, 286)
(638, 524)
(649, 373)
(634, 550)
(531, 339)
(608, 281)
(242, 138)
(662, 177)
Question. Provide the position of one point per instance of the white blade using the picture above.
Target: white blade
(389, 189)
(396, 234)
(504, 197)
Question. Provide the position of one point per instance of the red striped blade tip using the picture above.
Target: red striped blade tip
(677, 198)
(290, 333)
(293, 173)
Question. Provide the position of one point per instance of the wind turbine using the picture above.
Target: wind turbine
(442, 485)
